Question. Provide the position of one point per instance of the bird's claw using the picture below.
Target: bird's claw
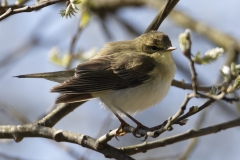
(120, 131)
(140, 126)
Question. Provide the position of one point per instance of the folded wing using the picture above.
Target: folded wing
(105, 73)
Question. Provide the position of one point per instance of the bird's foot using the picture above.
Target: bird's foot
(140, 126)
(120, 131)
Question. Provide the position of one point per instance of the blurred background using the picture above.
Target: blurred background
(26, 46)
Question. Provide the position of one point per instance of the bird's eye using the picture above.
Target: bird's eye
(148, 49)
(153, 48)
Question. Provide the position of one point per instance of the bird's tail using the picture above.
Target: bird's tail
(59, 76)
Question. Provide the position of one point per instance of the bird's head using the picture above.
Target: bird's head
(156, 45)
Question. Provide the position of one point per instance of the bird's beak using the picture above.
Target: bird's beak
(171, 48)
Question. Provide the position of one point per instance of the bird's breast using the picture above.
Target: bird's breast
(135, 99)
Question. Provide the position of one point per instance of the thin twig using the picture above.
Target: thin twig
(157, 130)
(190, 113)
(105, 138)
(181, 84)
(31, 8)
(73, 43)
(130, 150)
(194, 75)
(163, 13)
(170, 121)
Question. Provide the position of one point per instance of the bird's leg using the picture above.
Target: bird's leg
(139, 125)
(120, 131)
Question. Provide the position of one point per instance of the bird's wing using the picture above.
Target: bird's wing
(107, 73)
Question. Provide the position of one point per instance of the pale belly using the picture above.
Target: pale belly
(133, 100)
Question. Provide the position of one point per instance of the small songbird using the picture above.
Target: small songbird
(127, 76)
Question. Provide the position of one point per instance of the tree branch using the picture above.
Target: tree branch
(31, 8)
(180, 137)
(181, 84)
(57, 114)
(162, 14)
(32, 130)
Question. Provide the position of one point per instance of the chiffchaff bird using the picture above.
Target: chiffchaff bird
(127, 76)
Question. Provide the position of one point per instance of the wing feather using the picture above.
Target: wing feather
(108, 73)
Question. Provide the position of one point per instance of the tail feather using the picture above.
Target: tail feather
(59, 76)
(71, 98)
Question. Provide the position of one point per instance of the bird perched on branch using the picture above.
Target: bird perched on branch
(127, 76)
